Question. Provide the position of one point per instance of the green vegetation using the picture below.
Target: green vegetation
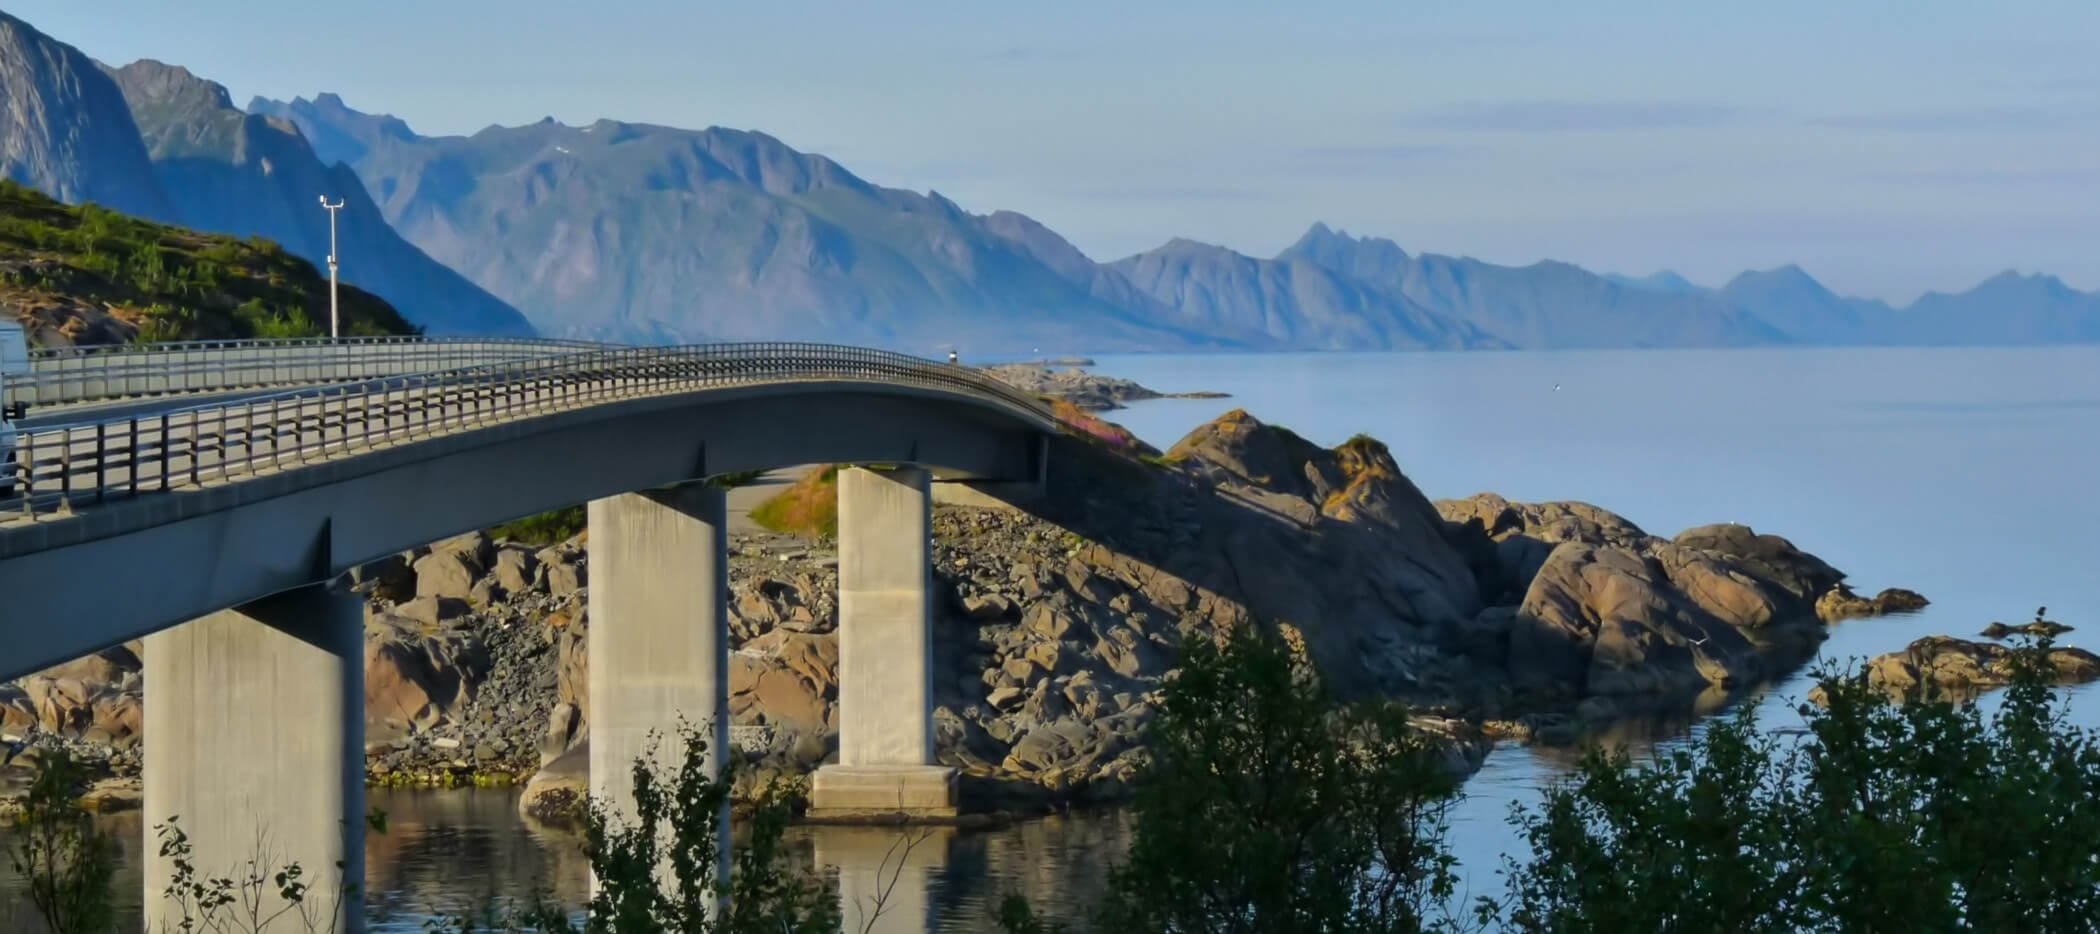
(1266, 800)
(730, 481)
(809, 506)
(547, 528)
(1922, 817)
(560, 525)
(66, 862)
(1270, 806)
(99, 275)
(655, 872)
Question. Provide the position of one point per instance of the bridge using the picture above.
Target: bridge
(210, 498)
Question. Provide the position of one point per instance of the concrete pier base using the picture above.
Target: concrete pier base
(848, 792)
(659, 646)
(255, 718)
(886, 760)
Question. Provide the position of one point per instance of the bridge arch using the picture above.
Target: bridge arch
(216, 536)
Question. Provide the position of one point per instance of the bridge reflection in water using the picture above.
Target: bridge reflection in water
(447, 852)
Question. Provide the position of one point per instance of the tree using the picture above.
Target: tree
(1923, 816)
(1268, 807)
(66, 861)
(656, 873)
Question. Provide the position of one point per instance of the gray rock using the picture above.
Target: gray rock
(986, 606)
(514, 569)
(431, 610)
(564, 574)
(1006, 697)
(445, 574)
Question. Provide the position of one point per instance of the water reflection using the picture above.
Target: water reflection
(461, 852)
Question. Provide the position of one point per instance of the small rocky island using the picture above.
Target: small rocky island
(1060, 618)
(1944, 667)
(1070, 381)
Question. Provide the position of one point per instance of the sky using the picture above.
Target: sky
(1887, 147)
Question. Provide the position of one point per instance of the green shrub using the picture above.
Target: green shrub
(547, 528)
(1268, 806)
(809, 506)
(1921, 817)
(66, 863)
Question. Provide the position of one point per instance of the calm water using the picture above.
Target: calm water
(1966, 474)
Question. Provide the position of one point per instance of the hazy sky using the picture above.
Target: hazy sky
(1888, 147)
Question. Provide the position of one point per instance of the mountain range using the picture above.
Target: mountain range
(156, 141)
(654, 233)
(645, 233)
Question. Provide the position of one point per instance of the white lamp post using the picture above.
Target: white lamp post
(335, 324)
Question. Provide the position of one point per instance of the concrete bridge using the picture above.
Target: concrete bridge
(216, 517)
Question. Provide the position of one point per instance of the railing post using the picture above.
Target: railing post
(25, 471)
(131, 472)
(101, 463)
(65, 470)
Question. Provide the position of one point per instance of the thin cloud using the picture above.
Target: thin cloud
(1968, 120)
(1165, 193)
(1393, 152)
(1562, 116)
(1375, 159)
(1988, 177)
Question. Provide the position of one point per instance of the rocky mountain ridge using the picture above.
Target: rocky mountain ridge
(802, 240)
(653, 234)
(157, 142)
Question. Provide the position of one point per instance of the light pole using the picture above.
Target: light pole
(335, 324)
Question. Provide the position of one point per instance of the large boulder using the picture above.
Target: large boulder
(786, 682)
(413, 680)
(1604, 620)
(1337, 541)
(1769, 558)
(449, 575)
(558, 795)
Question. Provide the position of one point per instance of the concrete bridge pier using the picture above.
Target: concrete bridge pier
(659, 647)
(886, 764)
(256, 722)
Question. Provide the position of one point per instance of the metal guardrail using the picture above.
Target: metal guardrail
(63, 468)
(75, 375)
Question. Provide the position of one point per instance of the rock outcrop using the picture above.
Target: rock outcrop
(1584, 604)
(1842, 603)
(1058, 622)
(1947, 667)
(1087, 390)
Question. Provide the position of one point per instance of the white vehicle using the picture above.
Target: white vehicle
(14, 361)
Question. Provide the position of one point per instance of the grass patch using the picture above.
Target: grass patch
(166, 283)
(730, 481)
(809, 506)
(547, 528)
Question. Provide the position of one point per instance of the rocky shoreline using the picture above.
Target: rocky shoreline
(1059, 619)
(1088, 390)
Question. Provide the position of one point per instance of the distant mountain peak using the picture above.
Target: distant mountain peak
(1790, 276)
(2014, 275)
(1663, 280)
(150, 80)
